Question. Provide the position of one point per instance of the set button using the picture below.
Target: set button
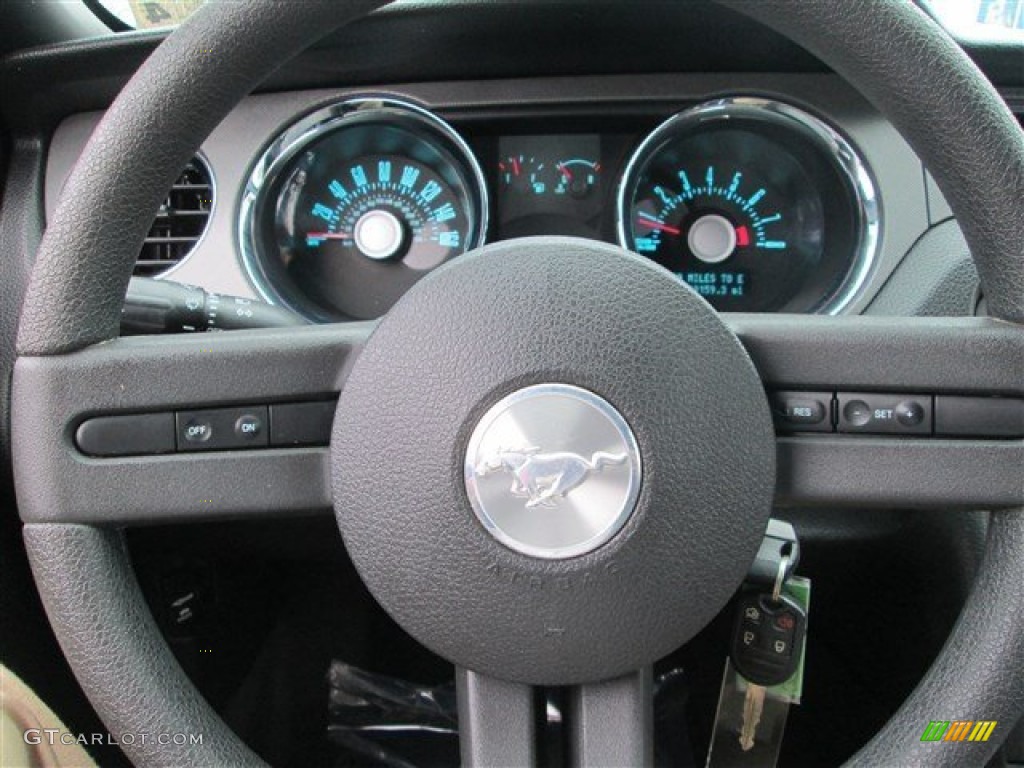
(879, 413)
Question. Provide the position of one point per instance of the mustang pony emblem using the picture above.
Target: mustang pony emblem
(540, 478)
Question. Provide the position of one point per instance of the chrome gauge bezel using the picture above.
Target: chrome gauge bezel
(851, 167)
(301, 134)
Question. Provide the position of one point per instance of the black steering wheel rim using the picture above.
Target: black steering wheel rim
(941, 106)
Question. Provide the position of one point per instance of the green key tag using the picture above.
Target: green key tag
(798, 589)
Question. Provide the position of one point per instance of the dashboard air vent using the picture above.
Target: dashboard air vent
(180, 222)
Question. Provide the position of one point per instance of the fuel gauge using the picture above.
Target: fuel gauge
(577, 177)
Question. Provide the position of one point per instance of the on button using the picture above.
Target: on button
(248, 426)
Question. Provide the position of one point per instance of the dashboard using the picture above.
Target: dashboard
(784, 194)
(548, 119)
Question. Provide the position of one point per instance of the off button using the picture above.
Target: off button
(197, 430)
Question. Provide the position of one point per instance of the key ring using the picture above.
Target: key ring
(780, 578)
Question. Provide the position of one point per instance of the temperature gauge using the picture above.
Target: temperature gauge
(525, 175)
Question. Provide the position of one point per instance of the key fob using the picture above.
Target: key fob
(768, 638)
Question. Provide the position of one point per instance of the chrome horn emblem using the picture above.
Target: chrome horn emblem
(541, 478)
(575, 471)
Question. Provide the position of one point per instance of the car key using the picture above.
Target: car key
(766, 646)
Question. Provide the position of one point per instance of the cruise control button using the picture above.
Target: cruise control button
(222, 429)
(802, 411)
(857, 413)
(882, 413)
(197, 431)
(248, 427)
(910, 413)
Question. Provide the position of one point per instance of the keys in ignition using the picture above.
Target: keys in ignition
(766, 646)
(753, 706)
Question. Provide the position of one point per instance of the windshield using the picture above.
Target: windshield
(987, 20)
(149, 14)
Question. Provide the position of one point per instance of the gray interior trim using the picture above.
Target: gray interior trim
(859, 471)
(140, 374)
(612, 723)
(497, 726)
(937, 278)
(899, 354)
(57, 483)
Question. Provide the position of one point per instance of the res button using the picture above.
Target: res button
(802, 411)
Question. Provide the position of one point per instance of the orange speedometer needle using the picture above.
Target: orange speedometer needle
(653, 223)
(329, 235)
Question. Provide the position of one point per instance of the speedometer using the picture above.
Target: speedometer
(353, 205)
(758, 206)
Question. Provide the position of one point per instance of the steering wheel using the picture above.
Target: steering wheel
(527, 320)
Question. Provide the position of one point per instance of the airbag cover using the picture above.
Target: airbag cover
(552, 311)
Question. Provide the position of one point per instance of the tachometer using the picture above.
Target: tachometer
(353, 205)
(756, 205)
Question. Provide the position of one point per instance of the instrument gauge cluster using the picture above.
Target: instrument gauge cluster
(353, 205)
(757, 205)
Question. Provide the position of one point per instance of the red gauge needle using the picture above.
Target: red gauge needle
(566, 172)
(653, 223)
(515, 166)
(329, 235)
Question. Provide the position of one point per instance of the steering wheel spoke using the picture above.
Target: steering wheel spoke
(606, 723)
(612, 722)
(166, 377)
(924, 356)
(497, 721)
